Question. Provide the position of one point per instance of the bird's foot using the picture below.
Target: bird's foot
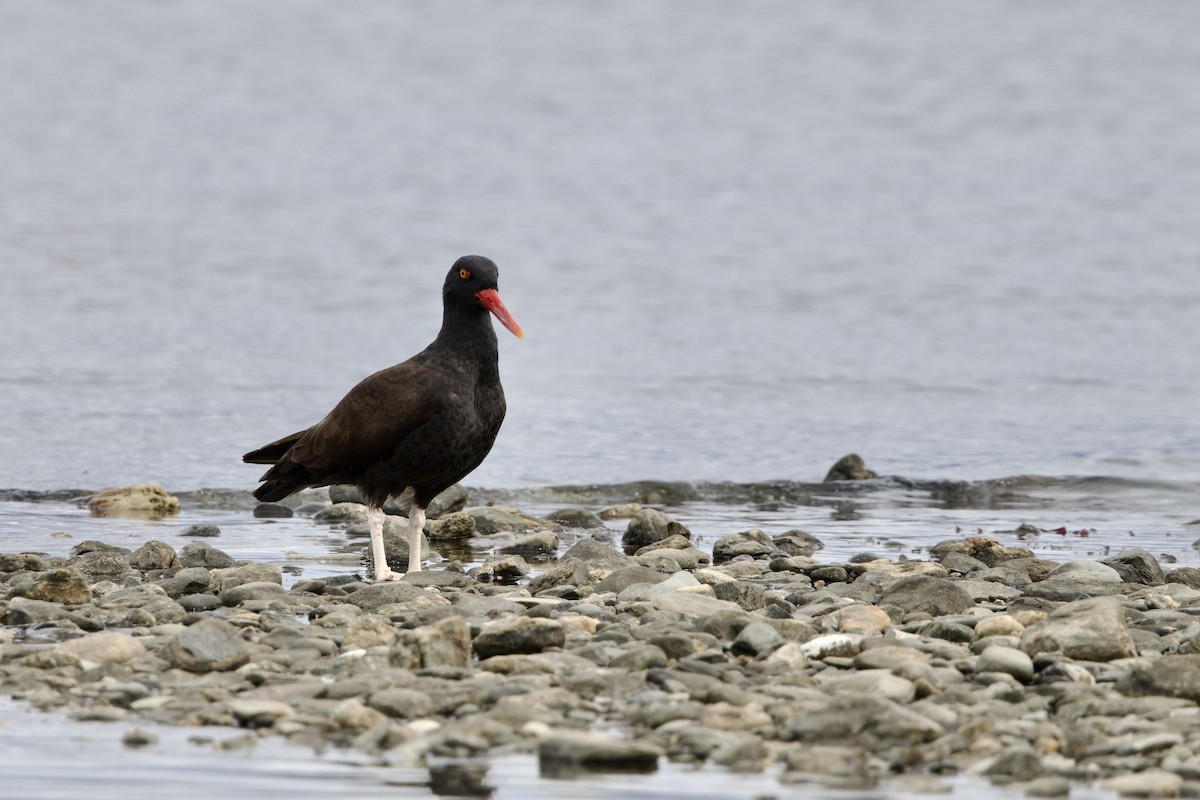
(386, 574)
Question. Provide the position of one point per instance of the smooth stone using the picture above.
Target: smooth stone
(859, 618)
(1137, 566)
(834, 645)
(756, 639)
(620, 579)
(855, 717)
(1148, 783)
(797, 543)
(926, 594)
(253, 713)
(1008, 660)
(1166, 676)
(753, 543)
(580, 518)
(225, 579)
(533, 545)
(1086, 630)
(375, 596)
(201, 530)
(651, 525)
(105, 646)
(887, 657)
(211, 645)
(154, 555)
(1087, 571)
(274, 511)
(998, 625)
(340, 513)
(880, 683)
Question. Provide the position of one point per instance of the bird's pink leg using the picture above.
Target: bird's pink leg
(416, 521)
(378, 558)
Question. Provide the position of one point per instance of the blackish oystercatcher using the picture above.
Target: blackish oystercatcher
(413, 429)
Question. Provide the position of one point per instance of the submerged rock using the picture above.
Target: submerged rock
(849, 467)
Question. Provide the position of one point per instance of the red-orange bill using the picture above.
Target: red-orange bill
(491, 301)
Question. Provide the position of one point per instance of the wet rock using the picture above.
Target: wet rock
(225, 579)
(1148, 783)
(154, 555)
(541, 544)
(925, 594)
(798, 543)
(377, 595)
(273, 511)
(458, 526)
(651, 525)
(576, 518)
(753, 543)
(620, 579)
(150, 602)
(136, 737)
(494, 519)
(66, 586)
(621, 511)
(202, 554)
(518, 635)
(211, 645)
(145, 501)
(849, 467)
(506, 569)
(1137, 566)
(342, 513)
(756, 639)
(1087, 630)
(201, 530)
(565, 750)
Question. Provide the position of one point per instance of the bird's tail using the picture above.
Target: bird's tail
(285, 477)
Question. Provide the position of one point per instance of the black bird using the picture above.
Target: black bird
(413, 429)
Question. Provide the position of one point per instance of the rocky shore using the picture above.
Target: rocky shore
(603, 639)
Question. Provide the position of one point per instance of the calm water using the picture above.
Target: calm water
(742, 242)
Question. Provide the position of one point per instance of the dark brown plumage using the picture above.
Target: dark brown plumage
(417, 427)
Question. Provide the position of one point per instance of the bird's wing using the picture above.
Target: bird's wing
(368, 423)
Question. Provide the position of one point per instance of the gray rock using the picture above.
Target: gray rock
(861, 717)
(377, 595)
(1137, 566)
(201, 530)
(576, 518)
(746, 595)
(753, 543)
(756, 639)
(1086, 630)
(402, 703)
(541, 544)
(1087, 571)
(154, 555)
(624, 577)
(246, 573)
(211, 645)
(245, 592)
(272, 511)
(18, 562)
(445, 643)
(453, 527)
(569, 750)
(639, 656)
(518, 635)
(506, 569)
(341, 513)
(1008, 660)
(202, 554)
(152, 603)
(189, 580)
(1017, 763)
(493, 519)
(926, 594)
(23, 611)
(798, 543)
(649, 526)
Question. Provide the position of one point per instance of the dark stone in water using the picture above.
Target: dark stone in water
(849, 467)
(272, 511)
(202, 530)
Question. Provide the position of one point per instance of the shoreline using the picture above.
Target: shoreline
(749, 652)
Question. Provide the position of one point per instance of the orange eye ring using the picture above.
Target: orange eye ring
(464, 273)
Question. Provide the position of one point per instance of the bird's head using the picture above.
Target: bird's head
(472, 281)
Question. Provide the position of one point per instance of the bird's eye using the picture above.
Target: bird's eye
(464, 273)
